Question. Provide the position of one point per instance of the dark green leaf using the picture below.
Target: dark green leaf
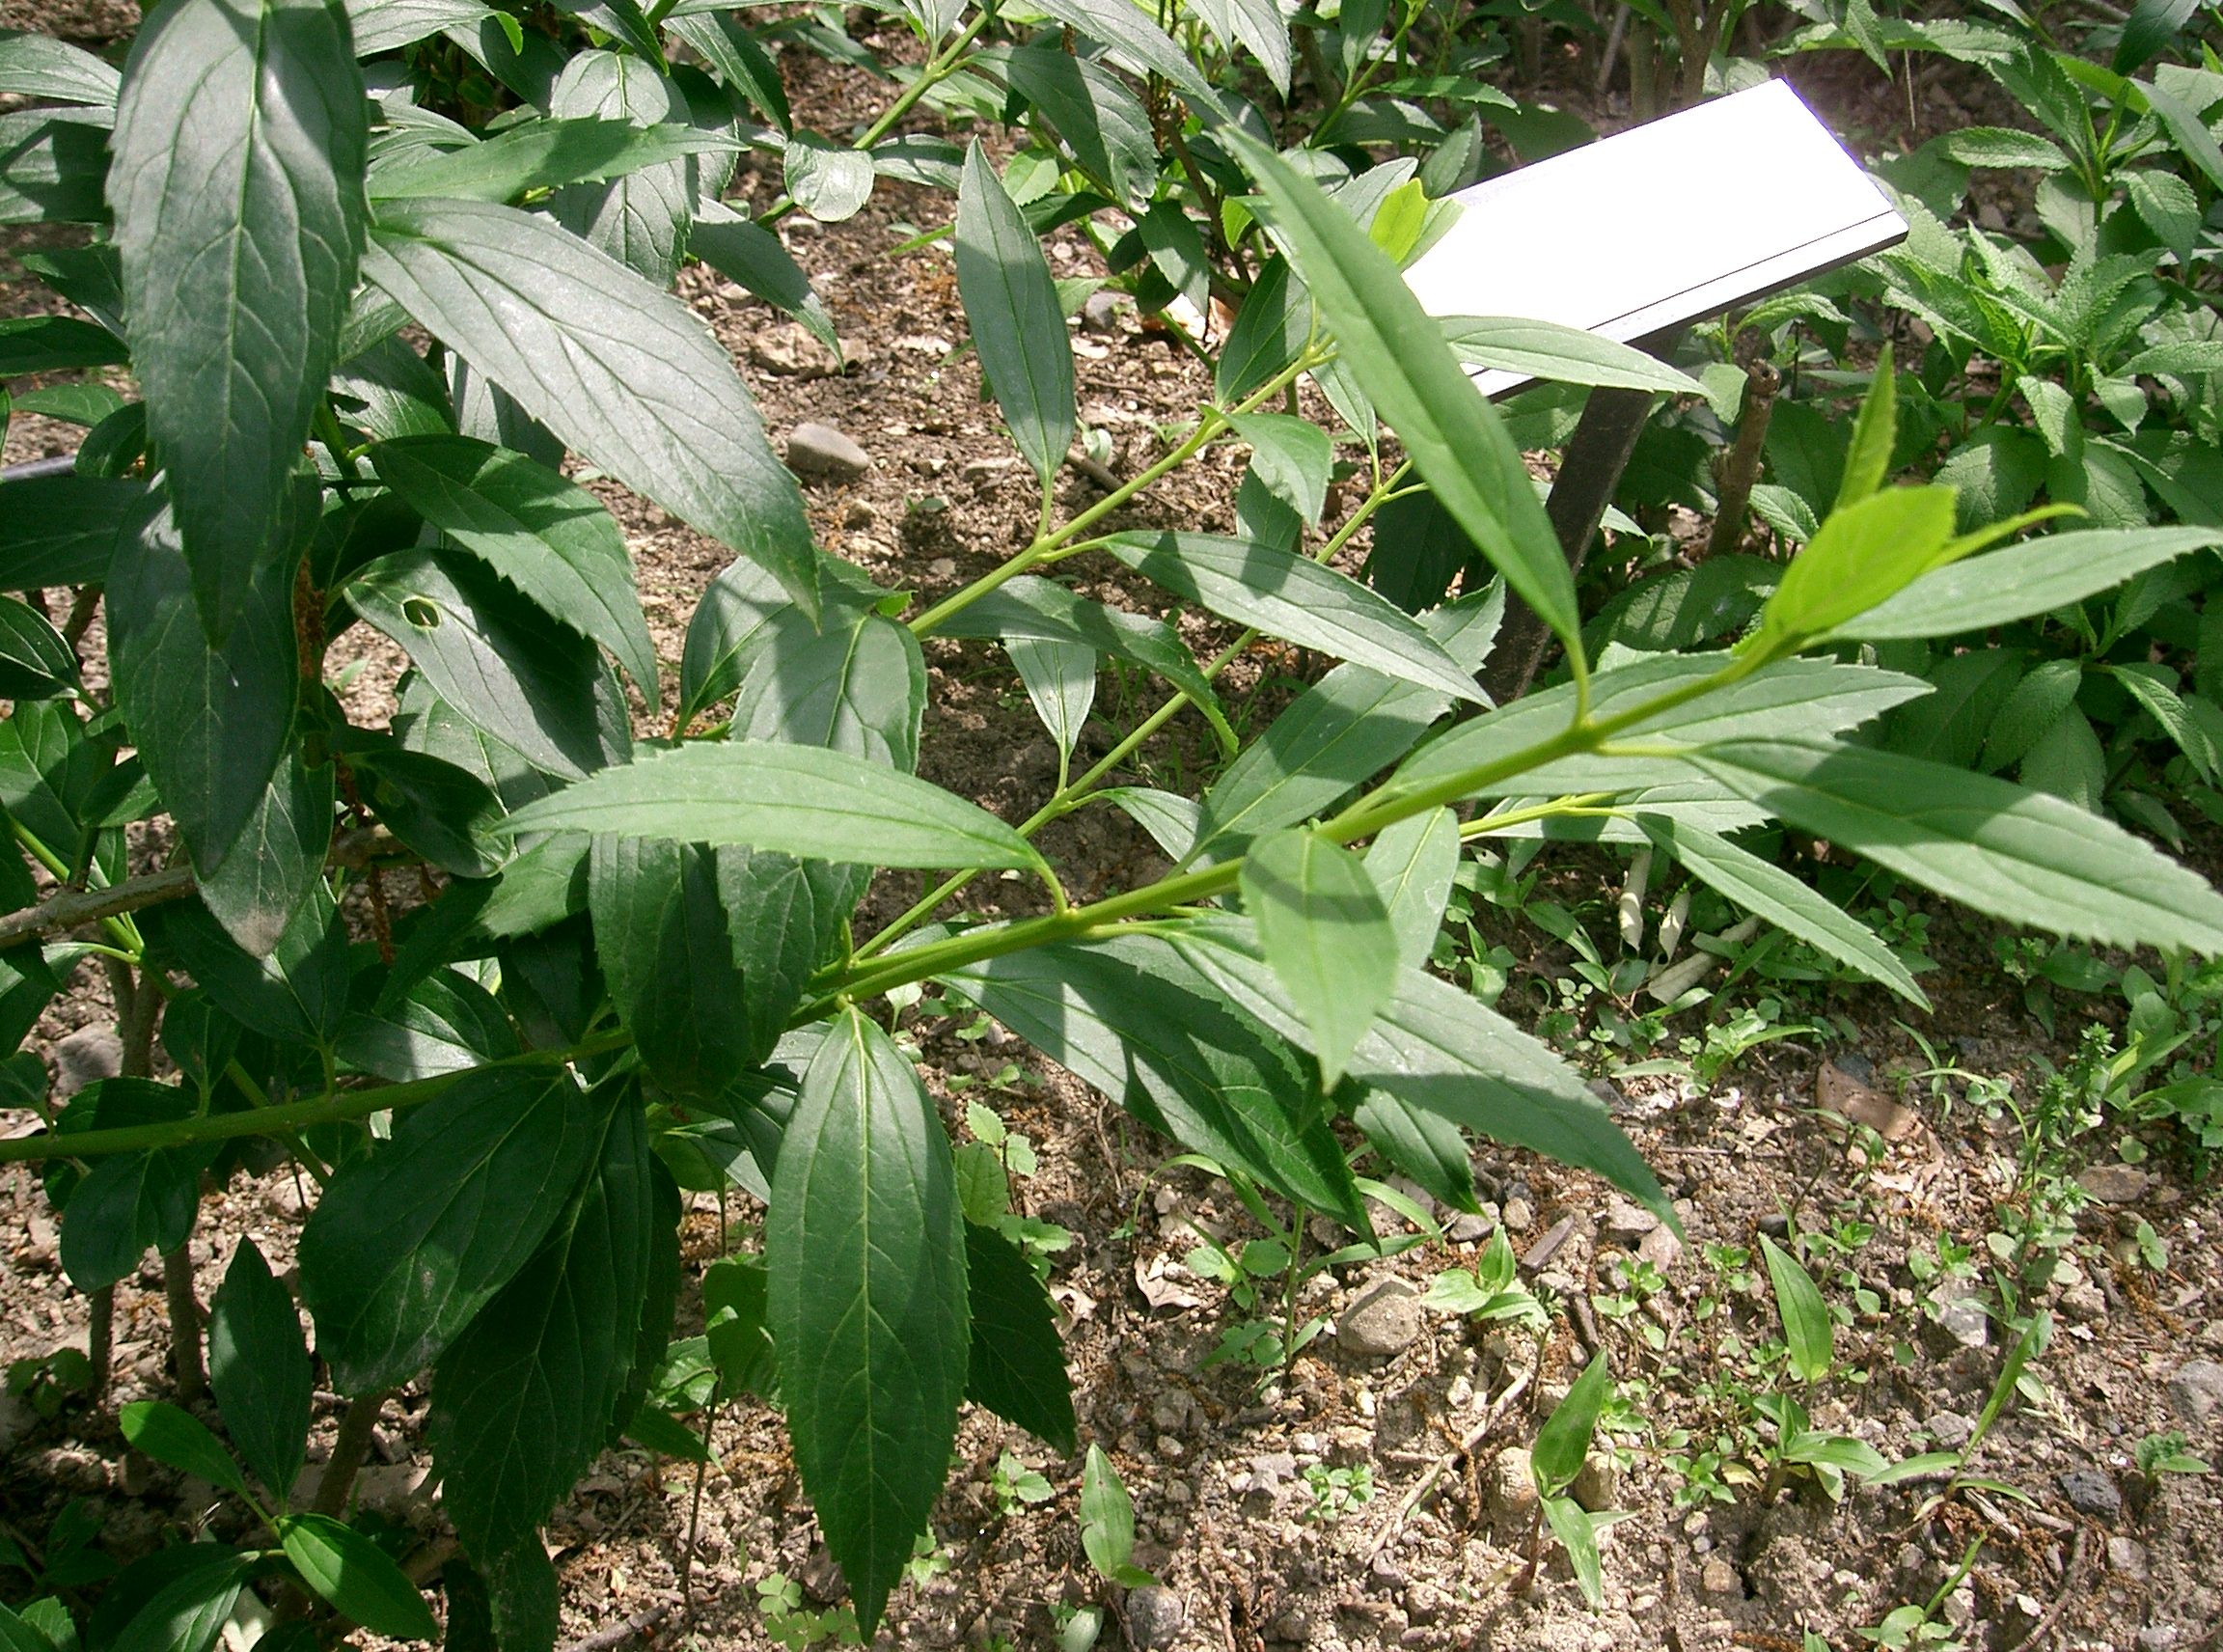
(444, 813)
(641, 217)
(610, 362)
(1017, 1366)
(189, 1611)
(1413, 865)
(408, 1244)
(798, 800)
(859, 686)
(54, 344)
(524, 1399)
(258, 1368)
(669, 956)
(1259, 26)
(747, 253)
(62, 530)
(35, 661)
(507, 1603)
(553, 540)
(867, 1302)
(238, 198)
(542, 155)
(390, 391)
(1269, 333)
(1564, 1440)
(297, 993)
(1128, 30)
(277, 862)
(1291, 457)
(1017, 326)
(1101, 121)
(743, 65)
(356, 1576)
(128, 1203)
(785, 915)
(53, 166)
(445, 1023)
(1425, 1147)
(735, 1305)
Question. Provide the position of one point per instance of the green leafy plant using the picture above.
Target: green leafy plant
(1809, 1341)
(1337, 1492)
(1562, 1447)
(1108, 1522)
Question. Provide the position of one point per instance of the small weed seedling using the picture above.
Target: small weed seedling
(1562, 1447)
(1917, 1628)
(1014, 1485)
(1337, 1492)
(1491, 1292)
(1809, 1339)
(1108, 1522)
(2171, 1454)
(794, 1627)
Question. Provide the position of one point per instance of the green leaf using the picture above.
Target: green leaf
(1437, 1048)
(131, 1202)
(442, 811)
(1577, 1534)
(1060, 683)
(188, 1611)
(1291, 456)
(540, 155)
(62, 530)
(1128, 30)
(295, 993)
(796, 799)
(497, 659)
(1397, 353)
(180, 1440)
(525, 1398)
(409, 1243)
(39, 65)
(661, 935)
(617, 368)
(858, 686)
(828, 181)
(356, 1576)
(54, 344)
(1413, 864)
(1259, 26)
(2013, 854)
(1327, 934)
(1807, 1331)
(1425, 1147)
(1101, 121)
(505, 1603)
(1868, 461)
(1564, 1443)
(1126, 1015)
(785, 915)
(641, 218)
(1560, 355)
(742, 65)
(1018, 329)
(211, 724)
(1863, 554)
(1269, 332)
(258, 1368)
(238, 198)
(1042, 611)
(2016, 581)
(553, 540)
(446, 1022)
(276, 864)
(2002, 147)
(867, 1302)
(1108, 1521)
(1017, 1365)
(747, 253)
(1297, 599)
(735, 1298)
(1764, 888)
(35, 661)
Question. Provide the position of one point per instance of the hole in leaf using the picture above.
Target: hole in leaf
(421, 612)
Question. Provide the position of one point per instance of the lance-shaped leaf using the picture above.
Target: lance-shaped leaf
(237, 188)
(1127, 29)
(1017, 326)
(2036, 576)
(63, 529)
(1807, 1333)
(1297, 599)
(1327, 936)
(190, 1608)
(744, 251)
(858, 686)
(210, 724)
(867, 1302)
(1060, 681)
(798, 800)
(1397, 353)
(1413, 865)
(1102, 122)
(542, 154)
(661, 935)
(39, 65)
(642, 217)
(382, 25)
(550, 539)
(1257, 25)
(1762, 887)
(1562, 355)
(1017, 1367)
(356, 1576)
(1269, 333)
(1436, 1047)
(523, 1401)
(616, 366)
(407, 1245)
(2019, 855)
(258, 1368)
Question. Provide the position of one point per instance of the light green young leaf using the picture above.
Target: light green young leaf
(1291, 456)
(1764, 888)
(1108, 1522)
(1573, 1524)
(1017, 326)
(616, 366)
(1413, 864)
(357, 1576)
(2018, 855)
(800, 800)
(1560, 355)
(1327, 934)
(1868, 461)
(1060, 681)
(237, 192)
(1297, 599)
(2036, 576)
(180, 1440)
(1863, 554)
(1807, 1328)
(1396, 351)
(865, 1252)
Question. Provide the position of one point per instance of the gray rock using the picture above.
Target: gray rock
(1960, 1316)
(1775, 1225)
(860, 514)
(1952, 1429)
(1627, 1222)
(2114, 1184)
(1539, 1254)
(1512, 1487)
(2196, 1390)
(1155, 1616)
(1468, 1229)
(2092, 1492)
(2127, 1557)
(815, 450)
(1519, 1215)
(820, 1576)
(1294, 1626)
(1597, 1487)
(1383, 1320)
(85, 1057)
(2158, 1638)
(1660, 1248)
(1100, 311)
(1720, 1579)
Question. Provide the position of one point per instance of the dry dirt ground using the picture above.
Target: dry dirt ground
(1255, 1543)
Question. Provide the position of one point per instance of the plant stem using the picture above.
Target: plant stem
(349, 1446)
(185, 1361)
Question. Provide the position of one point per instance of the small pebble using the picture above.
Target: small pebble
(815, 450)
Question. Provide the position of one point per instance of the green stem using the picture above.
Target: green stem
(939, 68)
(336, 1106)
